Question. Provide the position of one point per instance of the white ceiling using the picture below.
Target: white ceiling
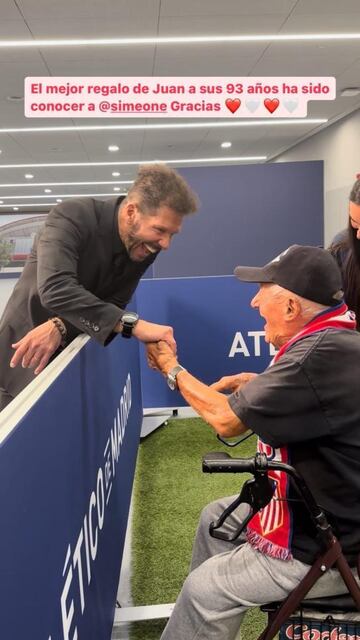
(46, 19)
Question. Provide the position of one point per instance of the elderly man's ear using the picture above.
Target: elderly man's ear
(293, 309)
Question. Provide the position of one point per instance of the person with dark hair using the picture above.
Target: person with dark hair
(345, 248)
(304, 409)
(85, 265)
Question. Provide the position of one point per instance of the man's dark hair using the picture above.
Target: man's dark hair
(158, 185)
(349, 260)
(355, 191)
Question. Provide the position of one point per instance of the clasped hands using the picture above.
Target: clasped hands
(162, 358)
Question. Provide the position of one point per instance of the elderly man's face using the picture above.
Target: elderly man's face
(271, 304)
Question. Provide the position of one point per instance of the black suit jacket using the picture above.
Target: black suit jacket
(78, 270)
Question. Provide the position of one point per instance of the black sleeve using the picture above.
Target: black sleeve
(339, 248)
(64, 235)
(280, 405)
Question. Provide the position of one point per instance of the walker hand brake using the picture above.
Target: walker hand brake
(256, 492)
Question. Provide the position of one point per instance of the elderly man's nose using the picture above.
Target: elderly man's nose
(254, 302)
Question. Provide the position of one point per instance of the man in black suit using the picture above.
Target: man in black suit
(84, 267)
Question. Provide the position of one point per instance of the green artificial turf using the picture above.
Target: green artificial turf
(169, 492)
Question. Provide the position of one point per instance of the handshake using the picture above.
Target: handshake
(161, 357)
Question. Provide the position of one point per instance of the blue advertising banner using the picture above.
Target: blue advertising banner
(66, 473)
(248, 215)
(216, 330)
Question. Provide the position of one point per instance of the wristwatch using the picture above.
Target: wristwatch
(171, 376)
(128, 321)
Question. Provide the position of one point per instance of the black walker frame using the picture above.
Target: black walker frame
(257, 493)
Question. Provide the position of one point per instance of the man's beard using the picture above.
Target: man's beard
(138, 249)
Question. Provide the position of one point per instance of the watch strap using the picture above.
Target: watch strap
(127, 329)
(128, 321)
(171, 376)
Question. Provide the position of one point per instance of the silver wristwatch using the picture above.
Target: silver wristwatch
(171, 376)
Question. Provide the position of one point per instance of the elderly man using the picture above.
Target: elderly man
(83, 269)
(305, 409)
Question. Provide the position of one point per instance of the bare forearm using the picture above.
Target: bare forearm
(211, 405)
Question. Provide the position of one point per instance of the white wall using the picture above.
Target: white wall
(339, 147)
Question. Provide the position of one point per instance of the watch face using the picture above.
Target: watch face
(130, 317)
(129, 320)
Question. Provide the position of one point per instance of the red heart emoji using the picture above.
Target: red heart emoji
(271, 105)
(233, 104)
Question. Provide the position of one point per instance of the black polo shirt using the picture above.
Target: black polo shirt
(309, 401)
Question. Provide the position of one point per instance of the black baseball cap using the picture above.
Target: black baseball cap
(310, 272)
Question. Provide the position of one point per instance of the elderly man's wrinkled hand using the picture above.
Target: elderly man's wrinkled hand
(232, 383)
(160, 356)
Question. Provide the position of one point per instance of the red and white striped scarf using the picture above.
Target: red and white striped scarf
(270, 529)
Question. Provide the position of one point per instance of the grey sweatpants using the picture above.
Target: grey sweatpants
(227, 578)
